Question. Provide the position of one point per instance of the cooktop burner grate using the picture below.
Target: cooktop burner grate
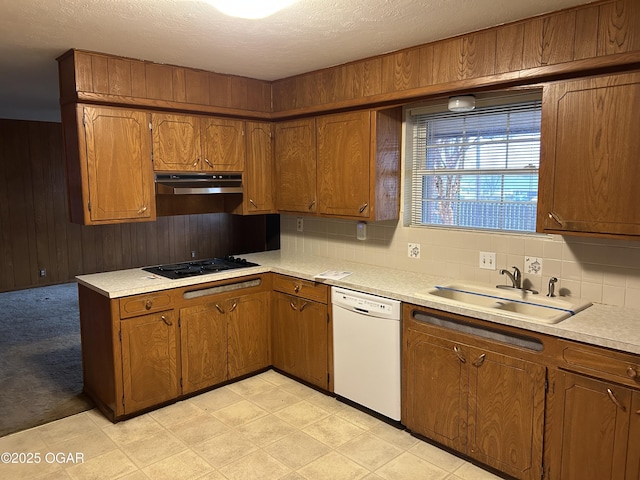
(199, 267)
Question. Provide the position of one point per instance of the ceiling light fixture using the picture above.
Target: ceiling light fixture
(462, 103)
(251, 9)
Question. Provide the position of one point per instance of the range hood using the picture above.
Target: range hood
(198, 183)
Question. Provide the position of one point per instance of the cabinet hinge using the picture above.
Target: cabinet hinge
(180, 382)
(328, 318)
(120, 335)
(89, 205)
(150, 126)
(123, 400)
(546, 385)
(328, 378)
(542, 471)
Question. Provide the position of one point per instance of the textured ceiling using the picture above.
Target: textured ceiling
(308, 35)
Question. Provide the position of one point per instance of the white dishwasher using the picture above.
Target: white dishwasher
(366, 350)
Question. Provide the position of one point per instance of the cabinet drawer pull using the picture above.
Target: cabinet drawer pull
(233, 307)
(166, 321)
(148, 304)
(554, 216)
(206, 160)
(615, 401)
(292, 305)
(456, 350)
(632, 372)
(296, 288)
(480, 360)
(363, 207)
(304, 305)
(253, 203)
(313, 202)
(220, 309)
(142, 210)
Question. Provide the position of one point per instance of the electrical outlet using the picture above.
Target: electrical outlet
(487, 260)
(43, 272)
(414, 250)
(299, 224)
(533, 265)
(193, 254)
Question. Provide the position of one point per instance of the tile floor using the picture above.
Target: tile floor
(264, 427)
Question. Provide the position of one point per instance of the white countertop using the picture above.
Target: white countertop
(602, 325)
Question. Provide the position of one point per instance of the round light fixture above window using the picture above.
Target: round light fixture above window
(251, 9)
(462, 103)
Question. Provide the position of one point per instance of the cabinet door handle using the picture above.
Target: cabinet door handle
(615, 400)
(458, 352)
(291, 304)
(233, 307)
(480, 360)
(195, 163)
(363, 207)
(313, 202)
(632, 372)
(142, 210)
(554, 216)
(304, 305)
(220, 309)
(148, 304)
(206, 160)
(253, 203)
(166, 321)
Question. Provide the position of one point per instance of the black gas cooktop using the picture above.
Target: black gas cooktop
(199, 267)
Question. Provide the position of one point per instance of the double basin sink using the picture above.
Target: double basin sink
(513, 303)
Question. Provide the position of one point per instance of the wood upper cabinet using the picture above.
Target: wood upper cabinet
(589, 156)
(596, 424)
(460, 391)
(259, 185)
(109, 169)
(295, 149)
(150, 360)
(343, 164)
(185, 143)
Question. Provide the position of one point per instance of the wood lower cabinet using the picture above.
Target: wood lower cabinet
(301, 330)
(109, 169)
(224, 339)
(191, 143)
(589, 151)
(150, 360)
(479, 398)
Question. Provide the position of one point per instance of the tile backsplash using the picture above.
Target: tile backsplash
(600, 270)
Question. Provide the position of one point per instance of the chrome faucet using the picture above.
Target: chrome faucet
(515, 277)
(552, 287)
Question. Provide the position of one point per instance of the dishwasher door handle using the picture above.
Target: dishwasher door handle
(361, 310)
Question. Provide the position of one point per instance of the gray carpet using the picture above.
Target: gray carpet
(40, 357)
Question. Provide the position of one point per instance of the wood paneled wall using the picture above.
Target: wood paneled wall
(35, 231)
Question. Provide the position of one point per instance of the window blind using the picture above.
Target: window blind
(477, 169)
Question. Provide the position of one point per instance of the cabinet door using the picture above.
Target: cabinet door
(506, 413)
(633, 449)
(594, 429)
(248, 334)
(176, 143)
(149, 360)
(589, 152)
(118, 161)
(259, 194)
(296, 166)
(204, 346)
(436, 382)
(222, 144)
(344, 164)
(288, 336)
(313, 317)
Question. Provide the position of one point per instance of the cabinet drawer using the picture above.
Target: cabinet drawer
(301, 288)
(141, 304)
(614, 366)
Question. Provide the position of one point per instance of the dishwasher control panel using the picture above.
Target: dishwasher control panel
(365, 303)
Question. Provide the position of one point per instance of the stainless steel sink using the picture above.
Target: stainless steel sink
(515, 304)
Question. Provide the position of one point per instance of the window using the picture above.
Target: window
(476, 169)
